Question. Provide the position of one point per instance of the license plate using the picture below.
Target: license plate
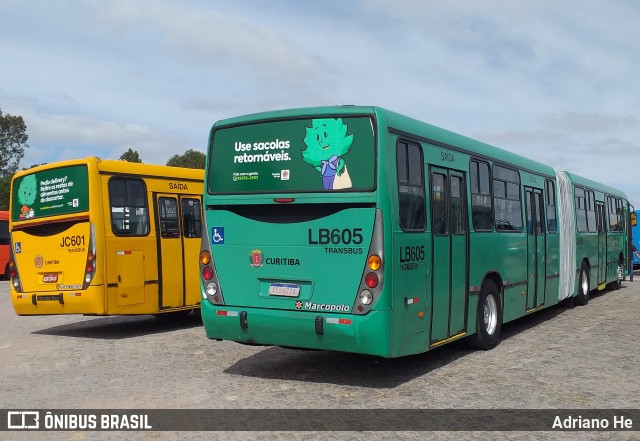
(50, 278)
(284, 289)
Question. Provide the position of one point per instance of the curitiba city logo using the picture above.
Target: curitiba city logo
(322, 307)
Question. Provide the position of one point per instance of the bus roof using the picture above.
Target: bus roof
(120, 166)
(593, 185)
(399, 123)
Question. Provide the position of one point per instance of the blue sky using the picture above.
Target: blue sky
(554, 81)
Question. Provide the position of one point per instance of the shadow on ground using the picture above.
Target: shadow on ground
(118, 327)
(368, 371)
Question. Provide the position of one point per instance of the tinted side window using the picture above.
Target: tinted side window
(550, 196)
(410, 167)
(191, 218)
(129, 210)
(481, 212)
(4, 233)
(506, 199)
(168, 217)
(581, 209)
(591, 212)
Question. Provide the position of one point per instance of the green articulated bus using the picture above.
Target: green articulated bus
(361, 230)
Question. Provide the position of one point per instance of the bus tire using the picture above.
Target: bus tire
(488, 318)
(617, 284)
(582, 298)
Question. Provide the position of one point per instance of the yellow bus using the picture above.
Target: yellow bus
(105, 237)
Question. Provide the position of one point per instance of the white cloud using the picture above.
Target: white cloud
(554, 81)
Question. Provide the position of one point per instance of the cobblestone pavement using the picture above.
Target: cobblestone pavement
(560, 358)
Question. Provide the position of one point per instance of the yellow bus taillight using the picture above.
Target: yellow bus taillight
(90, 267)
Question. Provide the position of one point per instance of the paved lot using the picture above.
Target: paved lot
(583, 357)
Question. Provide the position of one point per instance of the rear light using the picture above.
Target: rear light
(14, 275)
(366, 297)
(90, 268)
(210, 288)
(374, 262)
(205, 257)
(371, 280)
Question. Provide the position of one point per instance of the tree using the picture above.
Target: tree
(5, 187)
(131, 156)
(190, 159)
(13, 141)
(5, 190)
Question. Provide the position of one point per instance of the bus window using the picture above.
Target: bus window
(591, 212)
(457, 206)
(168, 217)
(614, 220)
(5, 244)
(191, 218)
(438, 204)
(506, 199)
(4, 232)
(480, 196)
(552, 224)
(411, 187)
(128, 207)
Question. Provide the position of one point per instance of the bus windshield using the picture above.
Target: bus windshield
(50, 192)
(292, 156)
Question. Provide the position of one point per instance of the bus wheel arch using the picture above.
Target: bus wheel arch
(488, 315)
(582, 295)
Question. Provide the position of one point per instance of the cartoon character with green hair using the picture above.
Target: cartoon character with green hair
(326, 143)
(27, 196)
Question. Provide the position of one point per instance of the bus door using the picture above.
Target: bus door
(536, 247)
(602, 242)
(179, 229)
(450, 253)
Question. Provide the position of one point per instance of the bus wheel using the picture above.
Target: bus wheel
(488, 318)
(583, 286)
(617, 284)
(7, 274)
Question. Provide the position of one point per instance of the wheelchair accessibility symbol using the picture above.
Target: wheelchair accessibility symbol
(217, 235)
